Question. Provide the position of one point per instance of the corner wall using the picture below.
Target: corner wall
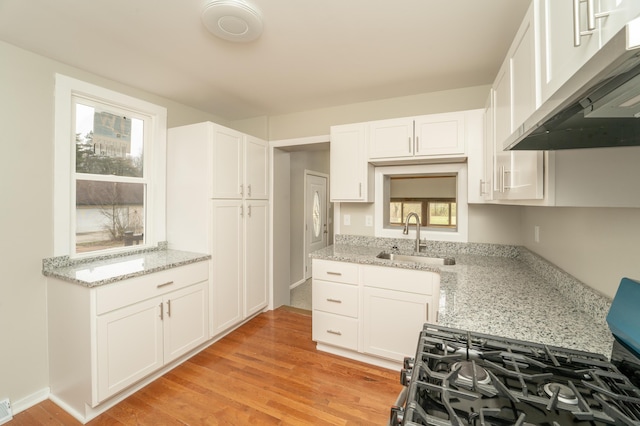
(26, 184)
(598, 246)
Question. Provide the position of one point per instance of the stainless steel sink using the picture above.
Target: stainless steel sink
(419, 259)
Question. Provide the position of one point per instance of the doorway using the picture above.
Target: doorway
(316, 212)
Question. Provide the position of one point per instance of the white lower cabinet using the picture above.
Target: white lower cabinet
(136, 340)
(371, 313)
(392, 321)
(239, 249)
(119, 335)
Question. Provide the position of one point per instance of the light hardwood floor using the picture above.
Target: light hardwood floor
(267, 372)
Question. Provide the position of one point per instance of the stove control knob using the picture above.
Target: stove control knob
(397, 415)
(405, 377)
(409, 363)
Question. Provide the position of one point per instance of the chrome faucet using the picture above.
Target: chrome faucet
(405, 231)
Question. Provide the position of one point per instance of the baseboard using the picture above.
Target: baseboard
(297, 283)
(30, 400)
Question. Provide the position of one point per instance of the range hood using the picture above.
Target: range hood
(598, 107)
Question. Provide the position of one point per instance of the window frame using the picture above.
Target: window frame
(66, 88)
(381, 173)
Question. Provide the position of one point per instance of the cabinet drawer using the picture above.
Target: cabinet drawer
(340, 272)
(335, 330)
(408, 280)
(133, 290)
(335, 298)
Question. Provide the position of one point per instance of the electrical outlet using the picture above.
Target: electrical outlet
(368, 220)
(536, 234)
(347, 219)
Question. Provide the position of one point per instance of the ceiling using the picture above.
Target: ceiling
(312, 54)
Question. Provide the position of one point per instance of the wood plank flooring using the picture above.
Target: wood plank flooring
(267, 372)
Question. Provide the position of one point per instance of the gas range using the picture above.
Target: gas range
(461, 377)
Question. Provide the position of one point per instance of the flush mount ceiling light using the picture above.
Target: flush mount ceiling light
(233, 20)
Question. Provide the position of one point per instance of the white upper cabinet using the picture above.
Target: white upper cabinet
(517, 175)
(256, 166)
(416, 137)
(240, 165)
(228, 161)
(567, 43)
(351, 174)
(440, 134)
(391, 138)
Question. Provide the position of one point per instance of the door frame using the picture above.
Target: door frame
(308, 173)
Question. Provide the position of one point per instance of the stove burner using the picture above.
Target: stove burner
(565, 393)
(465, 372)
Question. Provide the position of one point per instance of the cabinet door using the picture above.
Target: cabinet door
(560, 58)
(227, 173)
(129, 345)
(256, 169)
(440, 134)
(351, 175)
(523, 73)
(392, 321)
(502, 105)
(618, 13)
(519, 175)
(186, 323)
(391, 138)
(227, 250)
(256, 259)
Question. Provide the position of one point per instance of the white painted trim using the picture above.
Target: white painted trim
(30, 400)
(297, 283)
(461, 235)
(65, 88)
(368, 359)
(309, 140)
(271, 302)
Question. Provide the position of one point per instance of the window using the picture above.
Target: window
(436, 192)
(432, 212)
(109, 167)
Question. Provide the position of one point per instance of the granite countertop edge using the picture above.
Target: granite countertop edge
(492, 275)
(151, 260)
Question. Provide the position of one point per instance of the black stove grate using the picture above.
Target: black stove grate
(507, 382)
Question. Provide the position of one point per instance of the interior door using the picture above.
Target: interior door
(316, 232)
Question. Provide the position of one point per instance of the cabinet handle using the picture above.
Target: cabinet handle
(241, 211)
(169, 308)
(161, 312)
(427, 305)
(164, 284)
(481, 187)
(360, 189)
(577, 33)
(337, 333)
(417, 145)
(249, 190)
(249, 210)
(241, 190)
(334, 300)
(334, 273)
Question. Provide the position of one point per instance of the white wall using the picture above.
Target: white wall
(281, 240)
(26, 218)
(317, 122)
(599, 246)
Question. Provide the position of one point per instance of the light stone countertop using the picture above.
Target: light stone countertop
(109, 269)
(514, 294)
